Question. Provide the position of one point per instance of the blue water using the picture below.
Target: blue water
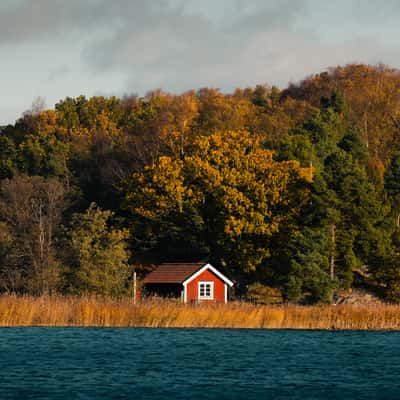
(49, 363)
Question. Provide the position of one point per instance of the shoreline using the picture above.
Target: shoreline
(198, 328)
(95, 312)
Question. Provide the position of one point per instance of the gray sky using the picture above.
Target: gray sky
(59, 48)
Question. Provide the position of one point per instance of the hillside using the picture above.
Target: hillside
(295, 189)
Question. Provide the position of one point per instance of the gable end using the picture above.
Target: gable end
(213, 270)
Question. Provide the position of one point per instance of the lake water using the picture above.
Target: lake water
(72, 363)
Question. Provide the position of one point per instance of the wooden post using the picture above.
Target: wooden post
(134, 287)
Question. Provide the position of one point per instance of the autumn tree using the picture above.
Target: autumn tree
(372, 96)
(228, 196)
(222, 113)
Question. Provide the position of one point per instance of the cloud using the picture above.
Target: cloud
(59, 72)
(275, 15)
(40, 19)
(30, 20)
(376, 11)
(170, 46)
(257, 42)
(183, 44)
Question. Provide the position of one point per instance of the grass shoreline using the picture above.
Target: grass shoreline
(69, 311)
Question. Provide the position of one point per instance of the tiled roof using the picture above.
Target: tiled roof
(172, 273)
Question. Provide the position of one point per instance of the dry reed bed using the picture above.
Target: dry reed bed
(98, 312)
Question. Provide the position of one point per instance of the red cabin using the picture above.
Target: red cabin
(198, 282)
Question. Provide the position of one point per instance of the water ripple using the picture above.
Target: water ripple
(73, 363)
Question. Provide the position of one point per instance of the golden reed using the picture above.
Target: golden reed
(100, 312)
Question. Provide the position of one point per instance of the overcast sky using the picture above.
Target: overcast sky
(59, 48)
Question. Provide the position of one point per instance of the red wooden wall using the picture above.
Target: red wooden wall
(207, 276)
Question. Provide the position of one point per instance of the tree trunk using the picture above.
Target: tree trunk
(332, 262)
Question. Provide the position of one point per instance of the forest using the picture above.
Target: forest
(294, 189)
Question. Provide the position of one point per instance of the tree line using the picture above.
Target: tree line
(295, 189)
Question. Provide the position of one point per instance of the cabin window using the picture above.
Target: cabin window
(206, 290)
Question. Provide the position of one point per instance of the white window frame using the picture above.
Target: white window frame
(211, 296)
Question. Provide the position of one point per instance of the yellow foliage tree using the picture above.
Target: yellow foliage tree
(228, 194)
